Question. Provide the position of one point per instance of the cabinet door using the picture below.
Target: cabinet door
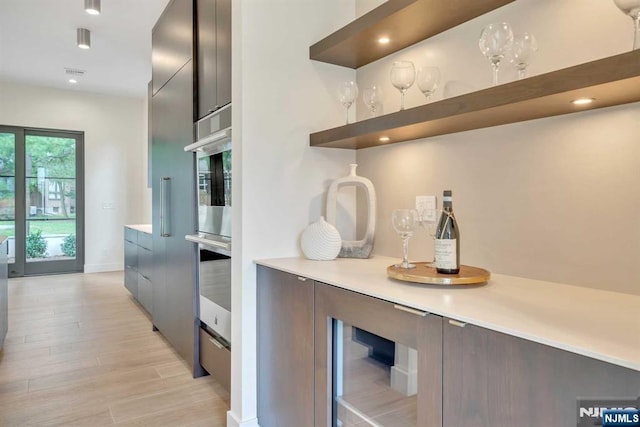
(285, 349)
(174, 264)
(172, 42)
(206, 48)
(492, 379)
(377, 363)
(223, 52)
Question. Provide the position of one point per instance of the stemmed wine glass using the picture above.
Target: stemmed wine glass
(632, 8)
(404, 223)
(428, 79)
(519, 54)
(347, 94)
(495, 40)
(372, 98)
(403, 75)
(430, 225)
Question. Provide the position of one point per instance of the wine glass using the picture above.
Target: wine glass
(428, 79)
(632, 8)
(430, 225)
(347, 94)
(495, 40)
(403, 75)
(404, 223)
(372, 98)
(519, 54)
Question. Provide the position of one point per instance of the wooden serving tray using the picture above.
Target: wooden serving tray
(425, 273)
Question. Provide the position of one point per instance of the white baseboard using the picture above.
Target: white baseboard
(102, 268)
(232, 421)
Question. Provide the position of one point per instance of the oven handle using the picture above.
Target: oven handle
(223, 135)
(208, 242)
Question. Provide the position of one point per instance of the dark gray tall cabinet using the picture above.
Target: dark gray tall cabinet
(173, 186)
(213, 20)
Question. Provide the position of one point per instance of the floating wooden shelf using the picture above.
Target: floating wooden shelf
(404, 22)
(610, 81)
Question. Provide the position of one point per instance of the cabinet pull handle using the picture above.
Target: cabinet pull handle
(302, 279)
(164, 207)
(216, 343)
(456, 323)
(410, 310)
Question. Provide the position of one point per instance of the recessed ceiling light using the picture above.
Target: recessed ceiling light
(92, 7)
(582, 101)
(84, 38)
(384, 40)
(384, 139)
(73, 81)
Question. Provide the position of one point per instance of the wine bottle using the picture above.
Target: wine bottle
(447, 246)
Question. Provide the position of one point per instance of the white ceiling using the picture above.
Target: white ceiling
(38, 41)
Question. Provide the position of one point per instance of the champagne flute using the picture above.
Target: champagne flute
(403, 75)
(495, 40)
(404, 222)
(524, 45)
(428, 79)
(372, 98)
(347, 94)
(632, 8)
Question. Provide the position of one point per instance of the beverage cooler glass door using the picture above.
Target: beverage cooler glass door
(377, 364)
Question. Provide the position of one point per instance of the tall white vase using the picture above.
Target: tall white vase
(354, 248)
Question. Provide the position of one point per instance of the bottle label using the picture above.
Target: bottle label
(446, 255)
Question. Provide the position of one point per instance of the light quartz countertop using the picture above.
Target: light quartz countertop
(599, 324)
(145, 228)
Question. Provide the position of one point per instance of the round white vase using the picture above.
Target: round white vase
(321, 241)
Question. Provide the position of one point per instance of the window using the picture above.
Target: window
(54, 190)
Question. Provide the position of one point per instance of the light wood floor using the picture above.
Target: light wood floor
(81, 352)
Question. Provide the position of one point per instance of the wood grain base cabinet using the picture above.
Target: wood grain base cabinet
(492, 379)
(285, 349)
(468, 376)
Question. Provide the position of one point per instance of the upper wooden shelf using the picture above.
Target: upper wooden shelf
(610, 81)
(404, 22)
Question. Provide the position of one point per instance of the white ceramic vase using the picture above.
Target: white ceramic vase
(321, 241)
(354, 248)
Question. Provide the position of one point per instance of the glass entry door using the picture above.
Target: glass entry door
(41, 200)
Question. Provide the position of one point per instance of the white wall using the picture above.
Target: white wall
(555, 199)
(279, 97)
(115, 158)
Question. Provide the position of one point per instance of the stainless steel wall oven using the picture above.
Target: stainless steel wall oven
(214, 184)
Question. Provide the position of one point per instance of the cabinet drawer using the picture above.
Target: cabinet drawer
(216, 359)
(131, 281)
(145, 262)
(130, 255)
(145, 293)
(131, 235)
(144, 240)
